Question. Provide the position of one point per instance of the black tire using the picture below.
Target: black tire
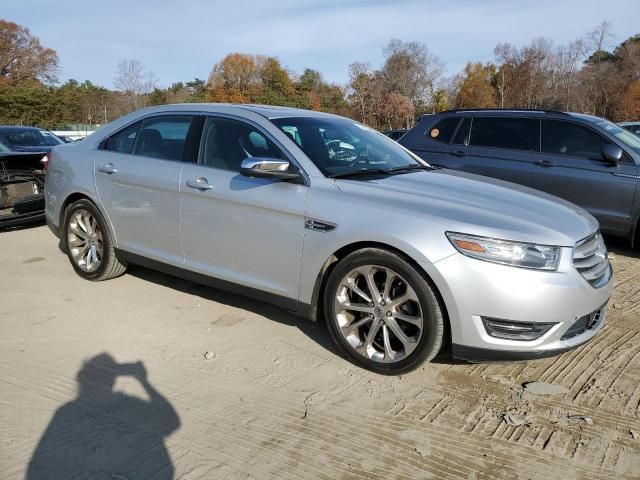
(433, 312)
(110, 266)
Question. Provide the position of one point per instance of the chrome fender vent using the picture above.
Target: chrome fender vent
(591, 259)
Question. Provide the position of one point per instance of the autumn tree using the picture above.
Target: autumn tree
(314, 93)
(23, 58)
(475, 88)
(234, 79)
(398, 111)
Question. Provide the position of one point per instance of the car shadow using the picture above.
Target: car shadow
(24, 226)
(104, 433)
(621, 246)
(316, 331)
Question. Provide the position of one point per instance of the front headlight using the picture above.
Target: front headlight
(517, 254)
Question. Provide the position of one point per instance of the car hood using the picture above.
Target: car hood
(478, 205)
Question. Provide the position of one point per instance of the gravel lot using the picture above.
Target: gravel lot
(272, 398)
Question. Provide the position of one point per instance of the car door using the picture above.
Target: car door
(571, 166)
(498, 147)
(247, 231)
(137, 172)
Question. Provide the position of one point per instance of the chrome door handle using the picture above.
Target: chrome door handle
(108, 168)
(200, 183)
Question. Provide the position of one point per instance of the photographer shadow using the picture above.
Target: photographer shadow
(105, 434)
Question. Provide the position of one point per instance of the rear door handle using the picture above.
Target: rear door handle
(545, 163)
(200, 183)
(108, 168)
(459, 153)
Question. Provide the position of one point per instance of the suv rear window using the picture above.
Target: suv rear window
(444, 129)
(514, 133)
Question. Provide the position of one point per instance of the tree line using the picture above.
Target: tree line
(590, 75)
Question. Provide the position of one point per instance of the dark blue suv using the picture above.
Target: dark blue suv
(586, 160)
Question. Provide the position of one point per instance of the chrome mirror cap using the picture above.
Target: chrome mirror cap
(266, 168)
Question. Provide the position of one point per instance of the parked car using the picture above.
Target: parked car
(28, 139)
(21, 187)
(395, 134)
(330, 219)
(66, 138)
(586, 160)
(633, 127)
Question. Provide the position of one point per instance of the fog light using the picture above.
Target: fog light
(509, 330)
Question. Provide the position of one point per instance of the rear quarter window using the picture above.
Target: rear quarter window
(443, 130)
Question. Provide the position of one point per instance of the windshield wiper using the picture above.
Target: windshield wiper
(381, 171)
(410, 168)
(362, 172)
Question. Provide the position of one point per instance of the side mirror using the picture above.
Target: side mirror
(611, 153)
(273, 168)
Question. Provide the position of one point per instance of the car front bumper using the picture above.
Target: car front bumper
(473, 289)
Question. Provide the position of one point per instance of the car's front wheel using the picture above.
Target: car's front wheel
(88, 243)
(382, 313)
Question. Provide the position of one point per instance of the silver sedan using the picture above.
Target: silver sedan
(329, 219)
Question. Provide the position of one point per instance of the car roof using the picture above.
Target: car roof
(16, 128)
(267, 111)
(503, 112)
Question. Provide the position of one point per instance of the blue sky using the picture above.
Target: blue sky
(182, 40)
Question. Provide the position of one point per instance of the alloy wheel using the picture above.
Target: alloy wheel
(85, 240)
(378, 314)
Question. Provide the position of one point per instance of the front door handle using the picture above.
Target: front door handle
(545, 163)
(108, 168)
(459, 153)
(200, 183)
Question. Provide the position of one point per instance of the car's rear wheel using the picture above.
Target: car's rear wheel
(88, 243)
(382, 313)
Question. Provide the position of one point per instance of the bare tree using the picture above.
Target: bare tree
(359, 88)
(134, 81)
(411, 70)
(600, 38)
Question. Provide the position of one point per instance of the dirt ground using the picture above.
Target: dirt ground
(273, 399)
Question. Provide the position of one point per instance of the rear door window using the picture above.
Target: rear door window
(513, 133)
(444, 129)
(567, 138)
(163, 137)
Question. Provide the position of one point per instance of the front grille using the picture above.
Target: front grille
(591, 260)
(587, 322)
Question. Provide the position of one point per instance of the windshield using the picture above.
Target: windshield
(629, 139)
(4, 148)
(339, 146)
(29, 138)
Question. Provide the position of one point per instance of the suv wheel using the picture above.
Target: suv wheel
(88, 243)
(382, 313)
